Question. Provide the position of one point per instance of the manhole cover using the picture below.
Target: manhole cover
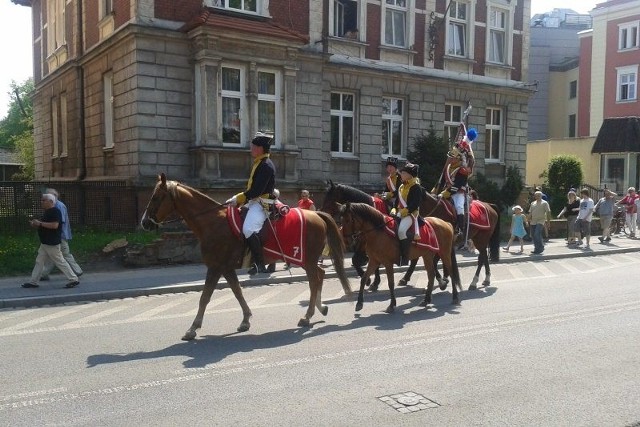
(408, 402)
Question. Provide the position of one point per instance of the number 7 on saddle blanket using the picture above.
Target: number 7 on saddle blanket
(290, 229)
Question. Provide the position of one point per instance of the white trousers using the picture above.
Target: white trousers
(405, 223)
(53, 254)
(458, 202)
(631, 222)
(66, 254)
(254, 219)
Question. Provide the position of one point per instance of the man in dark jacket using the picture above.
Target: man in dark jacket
(258, 196)
(50, 234)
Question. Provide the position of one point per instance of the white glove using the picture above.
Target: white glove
(232, 201)
(385, 195)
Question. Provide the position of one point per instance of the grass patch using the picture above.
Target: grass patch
(18, 251)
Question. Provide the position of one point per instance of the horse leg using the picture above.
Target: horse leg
(407, 275)
(363, 282)
(210, 284)
(487, 273)
(431, 275)
(392, 304)
(442, 281)
(314, 276)
(481, 262)
(358, 260)
(322, 308)
(376, 281)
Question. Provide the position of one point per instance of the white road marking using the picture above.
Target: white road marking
(62, 313)
(258, 301)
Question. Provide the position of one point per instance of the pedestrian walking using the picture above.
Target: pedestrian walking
(66, 236)
(604, 209)
(518, 221)
(631, 210)
(305, 201)
(50, 235)
(570, 212)
(539, 217)
(583, 223)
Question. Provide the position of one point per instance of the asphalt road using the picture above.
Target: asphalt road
(550, 343)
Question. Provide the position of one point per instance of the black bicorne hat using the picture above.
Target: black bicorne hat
(262, 140)
(393, 161)
(410, 168)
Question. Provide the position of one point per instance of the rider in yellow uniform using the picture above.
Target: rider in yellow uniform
(407, 208)
(258, 196)
(392, 182)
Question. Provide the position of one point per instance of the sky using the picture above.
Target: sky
(16, 40)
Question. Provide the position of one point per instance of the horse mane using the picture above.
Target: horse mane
(368, 213)
(352, 194)
(172, 187)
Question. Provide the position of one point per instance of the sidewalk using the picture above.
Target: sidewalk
(184, 278)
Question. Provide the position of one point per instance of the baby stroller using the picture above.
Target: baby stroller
(619, 222)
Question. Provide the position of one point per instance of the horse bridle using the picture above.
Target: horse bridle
(170, 191)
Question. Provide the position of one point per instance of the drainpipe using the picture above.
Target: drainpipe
(82, 172)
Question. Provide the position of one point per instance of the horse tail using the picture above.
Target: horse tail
(494, 243)
(455, 273)
(336, 249)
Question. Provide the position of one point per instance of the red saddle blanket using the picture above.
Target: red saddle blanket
(380, 205)
(428, 238)
(478, 214)
(290, 229)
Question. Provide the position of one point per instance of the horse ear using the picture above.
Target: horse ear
(330, 183)
(163, 178)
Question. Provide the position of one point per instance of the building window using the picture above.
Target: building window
(344, 19)
(246, 6)
(342, 108)
(55, 25)
(497, 35)
(392, 125)
(55, 129)
(572, 125)
(269, 109)
(573, 89)
(64, 136)
(452, 119)
(107, 86)
(628, 35)
(233, 100)
(106, 8)
(627, 83)
(493, 134)
(457, 33)
(395, 22)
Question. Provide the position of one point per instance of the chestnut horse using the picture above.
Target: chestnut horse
(363, 222)
(222, 250)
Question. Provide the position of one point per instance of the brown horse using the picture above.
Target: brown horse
(363, 222)
(222, 250)
(483, 238)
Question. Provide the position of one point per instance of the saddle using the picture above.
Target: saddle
(428, 238)
(282, 238)
(478, 216)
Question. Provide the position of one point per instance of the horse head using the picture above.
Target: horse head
(161, 204)
(331, 199)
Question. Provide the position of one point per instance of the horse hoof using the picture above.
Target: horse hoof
(403, 282)
(424, 303)
(390, 309)
(324, 310)
(472, 287)
(189, 335)
(368, 283)
(455, 301)
(359, 306)
(244, 327)
(373, 287)
(442, 286)
(486, 283)
(304, 323)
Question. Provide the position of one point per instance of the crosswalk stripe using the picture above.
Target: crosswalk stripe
(544, 270)
(93, 317)
(266, 296)
(66, 311)
(571, 268)
(145, 315)
(515, 272)
(302, 296)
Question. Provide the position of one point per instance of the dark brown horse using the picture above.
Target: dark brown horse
(364, 222)
(222, 250)
(338, 194)
(483, 237)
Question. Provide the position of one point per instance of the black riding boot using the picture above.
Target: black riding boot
(255, 246)
(461, 231)
(405, 245)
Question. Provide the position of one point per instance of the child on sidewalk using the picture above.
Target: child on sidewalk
(518, 221)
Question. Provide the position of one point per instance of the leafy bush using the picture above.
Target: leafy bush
(512, 187)
(430, 153)
(488, 191)
(564, 172)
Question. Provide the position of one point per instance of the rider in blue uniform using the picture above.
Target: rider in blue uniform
(258, 197)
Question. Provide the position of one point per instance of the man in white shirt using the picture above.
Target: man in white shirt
(583, 223)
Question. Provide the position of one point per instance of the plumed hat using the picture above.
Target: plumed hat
(472, 134)
(262, 140)
(393, 161)
(410, 168)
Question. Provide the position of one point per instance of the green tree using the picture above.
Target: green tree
(429, 152)
(13, 125)
(563, 173)
(512, 187)
(24, 146)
